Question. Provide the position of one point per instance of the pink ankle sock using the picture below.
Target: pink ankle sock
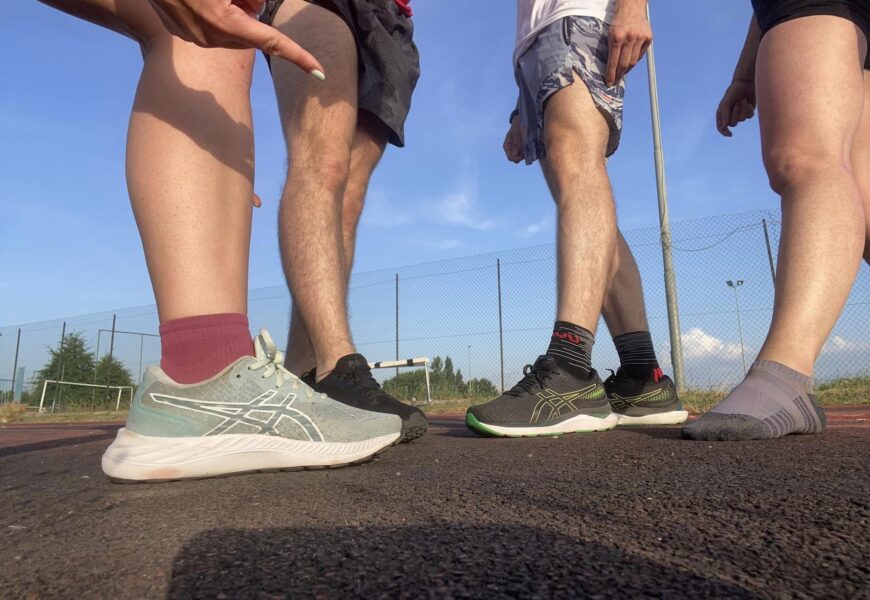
(197, 348)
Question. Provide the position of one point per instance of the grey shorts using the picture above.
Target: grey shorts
(572, 45)
(388, 60)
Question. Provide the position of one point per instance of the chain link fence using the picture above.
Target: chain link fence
(493, 313)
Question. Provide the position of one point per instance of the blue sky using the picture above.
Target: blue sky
(65, 102)
(68, 242)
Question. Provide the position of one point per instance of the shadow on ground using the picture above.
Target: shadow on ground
(447, 560)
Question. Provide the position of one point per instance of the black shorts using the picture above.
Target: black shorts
(388, 60)
(770, 13)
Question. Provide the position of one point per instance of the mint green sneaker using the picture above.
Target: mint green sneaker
(252, 416)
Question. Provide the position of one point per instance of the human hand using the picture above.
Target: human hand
(738, 104)
(232, 24)
(630, 36)
(513, 141)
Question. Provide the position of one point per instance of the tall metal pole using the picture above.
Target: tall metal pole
(96, 365)
(734, 285)
(141, 343)
(15, 364)
(59, 365)
(769, 252)
(397, 322)
(664, 221)
(111, 352)
(500, 324)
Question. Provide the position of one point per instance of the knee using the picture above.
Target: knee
(790, 166)
(327, 170)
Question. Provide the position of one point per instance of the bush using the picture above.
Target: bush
(11, 412)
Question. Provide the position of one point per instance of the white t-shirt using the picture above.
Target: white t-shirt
(535, 15)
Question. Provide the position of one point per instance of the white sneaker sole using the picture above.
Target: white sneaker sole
(134, 457)
(578, 424)
(674, 417)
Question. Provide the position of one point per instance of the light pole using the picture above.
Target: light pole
(468, 370)
(734, 285)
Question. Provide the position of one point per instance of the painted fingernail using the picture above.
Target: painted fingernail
(318, 74)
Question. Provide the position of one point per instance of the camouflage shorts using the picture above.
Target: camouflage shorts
(572, 45)
(388, 60)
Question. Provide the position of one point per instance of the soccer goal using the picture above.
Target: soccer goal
(119, 388)
(408, 362)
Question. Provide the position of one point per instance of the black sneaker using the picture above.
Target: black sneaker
(547, 401)
(352, 382)
(651, 402)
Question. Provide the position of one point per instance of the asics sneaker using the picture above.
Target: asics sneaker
(252, 416)
(352, 382)
(547, 401)
(650, 402)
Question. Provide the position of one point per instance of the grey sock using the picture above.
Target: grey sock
(771, 402)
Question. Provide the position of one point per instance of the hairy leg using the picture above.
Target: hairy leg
(369, 141)
(189, 162)
(810, 99)
(576, 136)
(319, 121)
(861, 163)
(623, 308)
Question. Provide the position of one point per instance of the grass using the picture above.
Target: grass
(841, 391)
(32, 416)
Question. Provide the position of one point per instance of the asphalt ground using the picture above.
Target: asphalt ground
(632, 512)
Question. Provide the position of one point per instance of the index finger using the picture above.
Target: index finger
(612, 63)
(255, 34)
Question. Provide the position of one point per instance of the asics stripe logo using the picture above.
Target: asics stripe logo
(552, 404)
(619, 402)
(262, 414)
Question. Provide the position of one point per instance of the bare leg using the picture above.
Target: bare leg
(810, 99)
(623, 309)
(369, 142)
(810, 89)
(189, 162)
(319, 120)
(576, 137)
(861, 162)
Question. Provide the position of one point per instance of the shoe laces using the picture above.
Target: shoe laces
(535, 376)
(271, 361)
(364, 380)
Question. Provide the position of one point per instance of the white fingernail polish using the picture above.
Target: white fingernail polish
(317, 74)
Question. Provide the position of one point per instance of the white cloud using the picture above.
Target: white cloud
(460, 208)
(380, 212)
(840, 344)
(699, 344)
(533, 229)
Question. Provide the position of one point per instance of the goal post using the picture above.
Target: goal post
(120, 389)
(408, 362)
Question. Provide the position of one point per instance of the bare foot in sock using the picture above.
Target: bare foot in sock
(773, 401)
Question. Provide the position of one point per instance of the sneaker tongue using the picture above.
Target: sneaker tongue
(264, 346)
(546, 362)
(350, 363)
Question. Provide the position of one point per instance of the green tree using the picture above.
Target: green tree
(444, 383)
(75, 363)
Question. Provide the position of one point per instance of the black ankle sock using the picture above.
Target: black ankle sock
(637, 356)
(571, 348)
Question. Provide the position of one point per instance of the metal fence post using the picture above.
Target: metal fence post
(59, 365)
(500, 324)
(111, 351)
(15, 364)
(664, 220)
(397, 322)
(769, 252)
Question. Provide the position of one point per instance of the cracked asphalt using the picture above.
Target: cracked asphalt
(632, 512)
